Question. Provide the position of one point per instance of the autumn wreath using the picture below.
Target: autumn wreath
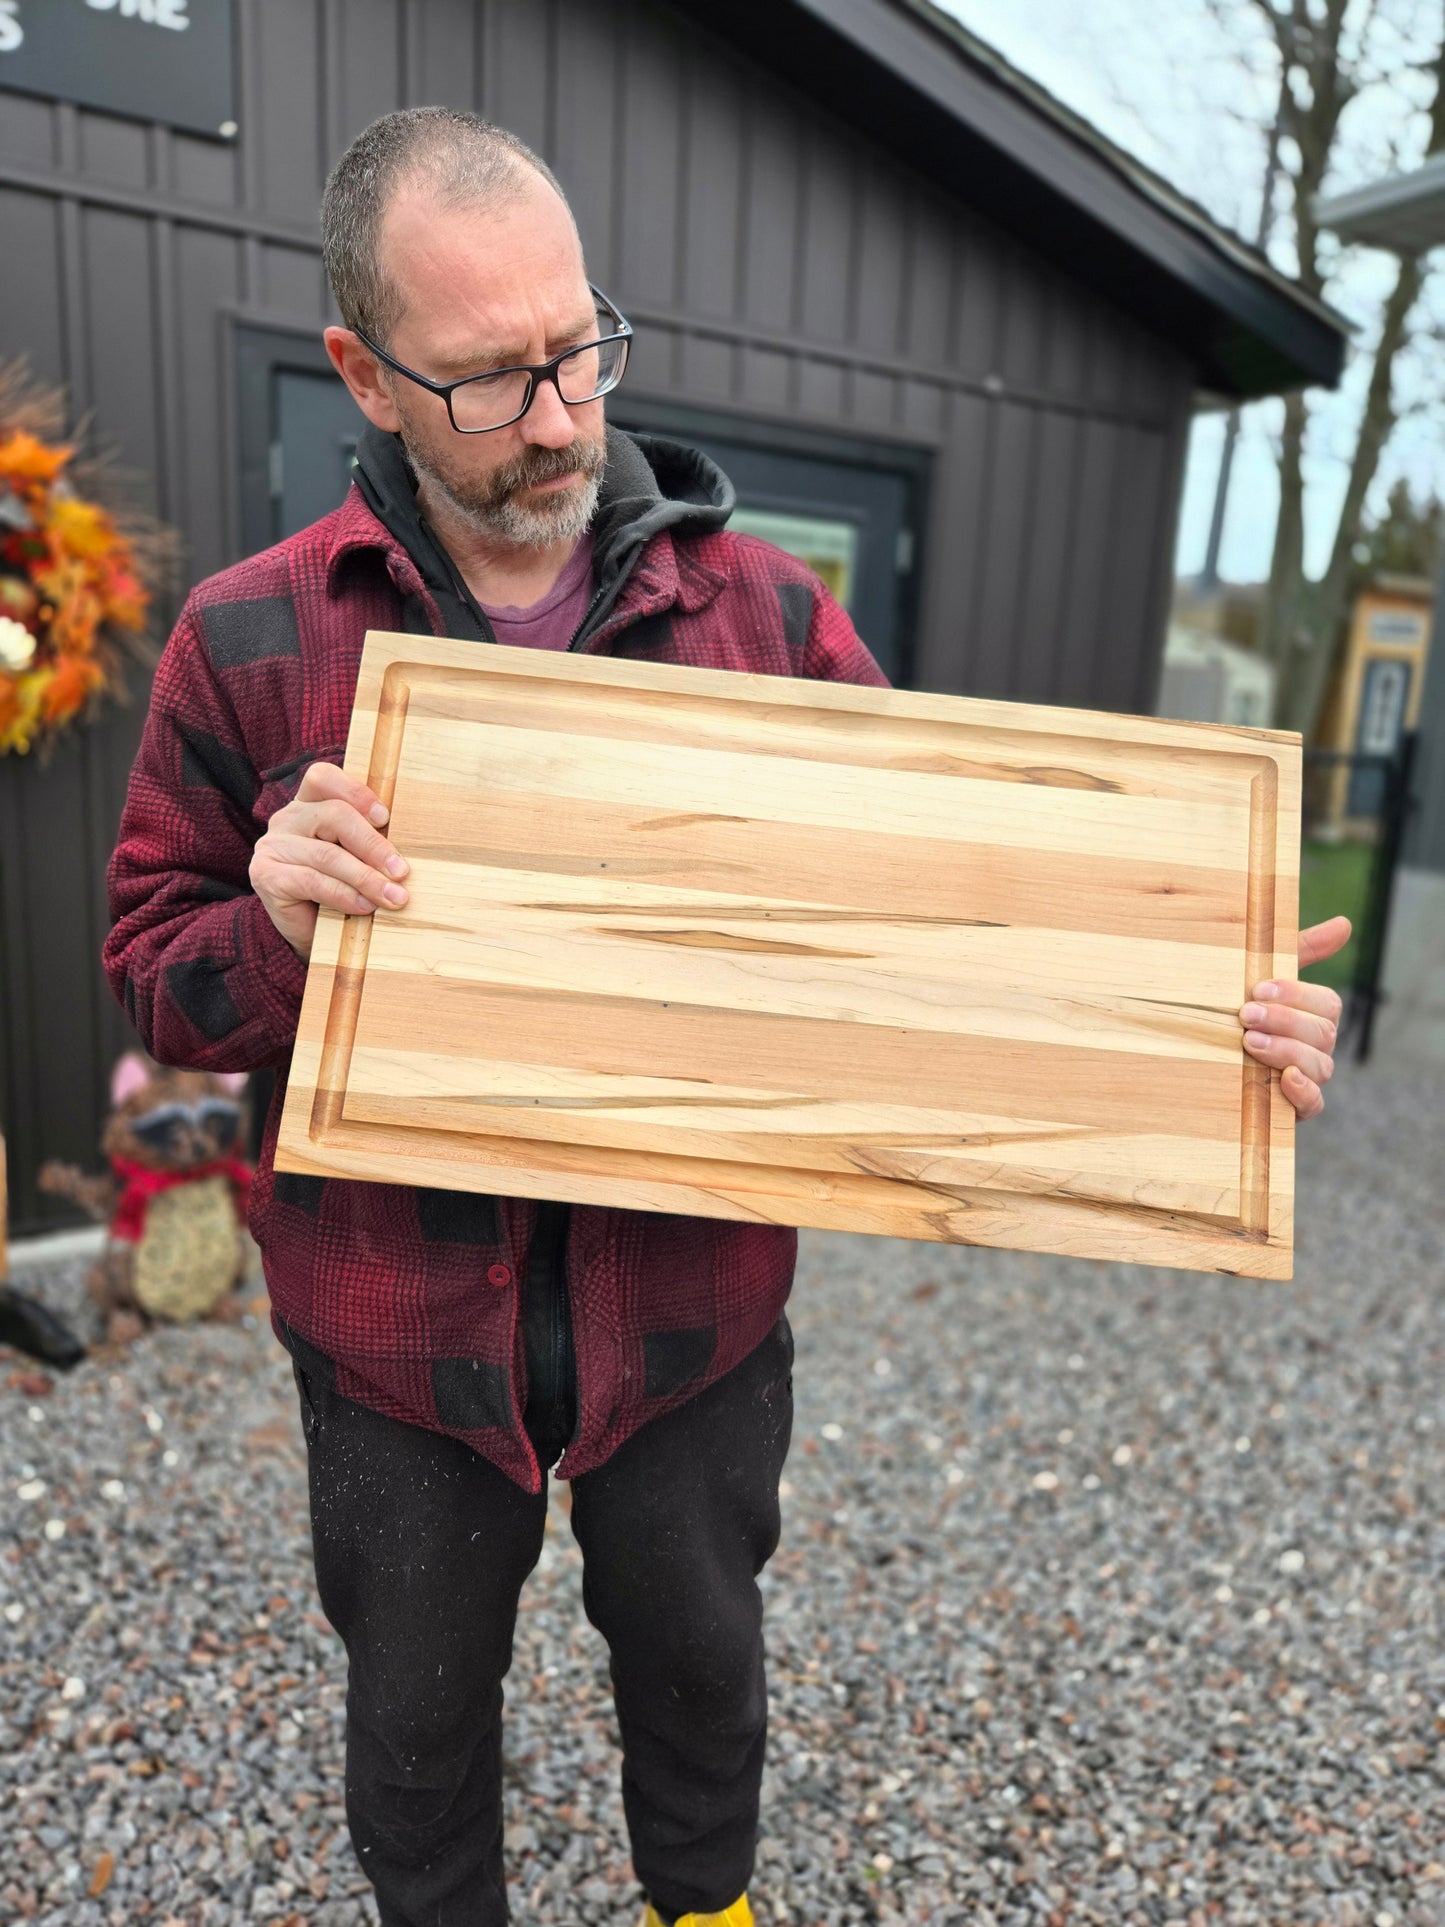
(76, 577)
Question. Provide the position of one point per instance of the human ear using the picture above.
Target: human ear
(364, 377)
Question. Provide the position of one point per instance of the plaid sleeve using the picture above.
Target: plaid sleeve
(834, 651)
(204, 975)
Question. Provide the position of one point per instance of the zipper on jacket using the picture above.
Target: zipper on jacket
(586, 618)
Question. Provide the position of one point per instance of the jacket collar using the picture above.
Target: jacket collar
(653, 492)
(355, 528)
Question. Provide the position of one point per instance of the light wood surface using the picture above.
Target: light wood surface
(803, 953)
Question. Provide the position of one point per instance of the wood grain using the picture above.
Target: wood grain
(802, 953)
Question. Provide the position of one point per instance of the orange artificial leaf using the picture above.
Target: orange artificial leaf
(20, 709)
(67, 689)
(25, 458)
(100, 1879)
(77, 610)
(126, 600)
(57, 581)
(81, 528)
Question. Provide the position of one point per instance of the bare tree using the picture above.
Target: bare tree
(1331, 54)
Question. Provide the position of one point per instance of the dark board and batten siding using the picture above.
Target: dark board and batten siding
(777, 267)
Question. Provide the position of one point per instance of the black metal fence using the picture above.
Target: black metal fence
(1353, 821)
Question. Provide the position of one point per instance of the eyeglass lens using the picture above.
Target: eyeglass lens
(490, 401)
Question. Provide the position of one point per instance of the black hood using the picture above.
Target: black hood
(649, 483)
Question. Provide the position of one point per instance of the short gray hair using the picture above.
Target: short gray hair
(463, 159)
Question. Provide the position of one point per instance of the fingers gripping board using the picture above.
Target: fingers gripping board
(805, 953)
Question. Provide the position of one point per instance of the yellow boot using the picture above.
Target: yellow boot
(740, 1914)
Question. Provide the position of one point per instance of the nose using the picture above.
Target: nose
(548, 422)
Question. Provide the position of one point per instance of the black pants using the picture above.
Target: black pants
(421, 1550)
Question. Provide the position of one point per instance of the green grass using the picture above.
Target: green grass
(1334, 879)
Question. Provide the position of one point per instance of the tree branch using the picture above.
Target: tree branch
(1307, 669)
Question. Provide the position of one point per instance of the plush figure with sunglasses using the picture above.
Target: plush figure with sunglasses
(175, 1199)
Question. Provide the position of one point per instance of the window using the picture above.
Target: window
(830, 549)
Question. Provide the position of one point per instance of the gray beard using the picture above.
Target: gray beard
(560, 518)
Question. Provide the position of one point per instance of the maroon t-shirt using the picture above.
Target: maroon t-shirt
(552, 622)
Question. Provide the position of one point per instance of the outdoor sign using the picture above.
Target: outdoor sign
(165, 60)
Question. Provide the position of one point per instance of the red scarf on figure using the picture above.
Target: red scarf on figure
(139, 1185)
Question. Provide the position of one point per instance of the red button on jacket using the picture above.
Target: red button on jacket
(499, 1274)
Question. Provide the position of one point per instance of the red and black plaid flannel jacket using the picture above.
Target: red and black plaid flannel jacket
(406, 1299)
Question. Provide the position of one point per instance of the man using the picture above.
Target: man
(450, 1348)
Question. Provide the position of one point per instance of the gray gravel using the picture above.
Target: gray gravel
(1106, 1595)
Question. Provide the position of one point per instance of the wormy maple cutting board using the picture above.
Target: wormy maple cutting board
(747, 947)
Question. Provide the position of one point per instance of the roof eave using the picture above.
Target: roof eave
(900, 71)
(1404, 213)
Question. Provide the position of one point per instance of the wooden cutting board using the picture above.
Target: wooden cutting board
(747, 947)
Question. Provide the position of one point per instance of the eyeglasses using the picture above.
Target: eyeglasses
(479, 403)
(164, 1128)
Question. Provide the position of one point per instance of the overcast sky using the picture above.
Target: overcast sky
(1162, 83)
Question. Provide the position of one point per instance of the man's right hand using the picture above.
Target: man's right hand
(325, 846)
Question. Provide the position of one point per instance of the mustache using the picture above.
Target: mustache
(533, 465)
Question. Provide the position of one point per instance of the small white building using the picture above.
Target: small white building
(1209, 680)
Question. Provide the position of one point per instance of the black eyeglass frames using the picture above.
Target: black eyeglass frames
(479, 403)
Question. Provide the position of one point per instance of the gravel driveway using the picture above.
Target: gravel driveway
(1106, 1595)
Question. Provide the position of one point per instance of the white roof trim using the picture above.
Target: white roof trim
(1404, 212)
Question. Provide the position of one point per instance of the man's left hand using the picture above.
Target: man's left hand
(1292, 1027)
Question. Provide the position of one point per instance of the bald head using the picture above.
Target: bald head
(433, 154)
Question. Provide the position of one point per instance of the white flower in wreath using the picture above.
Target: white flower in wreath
(17, 646)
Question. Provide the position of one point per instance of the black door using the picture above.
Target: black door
(316, 425)
(297, 429)
(850, 510)
(297, 433)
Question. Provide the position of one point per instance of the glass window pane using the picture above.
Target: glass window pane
(830, 549)
(1382, 712)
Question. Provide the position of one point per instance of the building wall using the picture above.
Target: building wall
(775, 266)
(1425, 828)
